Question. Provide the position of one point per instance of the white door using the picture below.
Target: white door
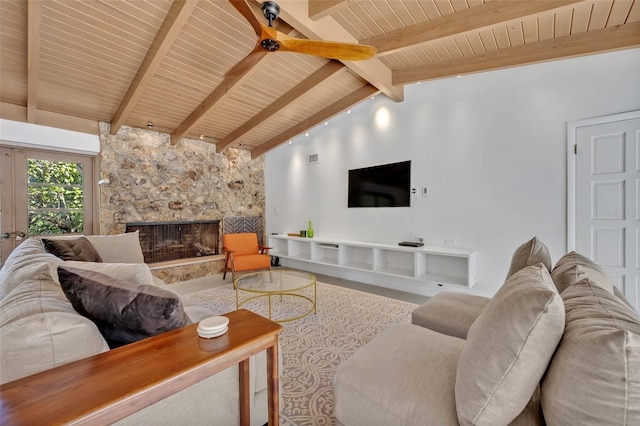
(608, 201)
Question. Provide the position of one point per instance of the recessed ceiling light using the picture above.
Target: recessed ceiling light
(306, 134)
(326, 123)
(348, 111)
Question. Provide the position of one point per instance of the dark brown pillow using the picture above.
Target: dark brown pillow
(123, 311)
(72, 249)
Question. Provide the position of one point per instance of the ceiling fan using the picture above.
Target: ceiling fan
(272, 40)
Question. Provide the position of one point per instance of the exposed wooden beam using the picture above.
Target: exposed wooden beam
(34, 11)
(47, 118)
(223, 89)
(300, 89)
(348, 101)
(596, 41)
(321, 8)
(231, 80)
(464, 21)
(296, 13)
(171, 26)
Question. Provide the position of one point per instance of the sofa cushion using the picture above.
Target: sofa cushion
(530, 253)
(137, 273)
(449, 313)
(594, 376)
(573, 267)
(119, 248)
(620, 296)
(251, 262)
(39, 329)
(21, 264)
(72, 249)
(124, 312)
(508, 349)
(390, 381)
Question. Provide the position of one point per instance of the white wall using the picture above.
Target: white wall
(29, 135)
(490, 147)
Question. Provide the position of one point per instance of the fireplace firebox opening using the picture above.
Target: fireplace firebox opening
(163, 241)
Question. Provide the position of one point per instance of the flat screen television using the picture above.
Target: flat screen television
(387, 185)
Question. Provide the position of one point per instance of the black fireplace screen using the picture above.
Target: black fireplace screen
(162, 241)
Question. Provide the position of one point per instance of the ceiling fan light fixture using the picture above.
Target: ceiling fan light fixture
(270, 44)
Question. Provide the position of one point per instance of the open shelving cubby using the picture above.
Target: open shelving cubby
(356, 257)
(395, 262)
(325, 253)
(438, 265)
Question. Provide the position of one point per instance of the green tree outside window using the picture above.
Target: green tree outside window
(56, 197)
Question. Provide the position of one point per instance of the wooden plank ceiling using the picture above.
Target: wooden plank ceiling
(74, 63)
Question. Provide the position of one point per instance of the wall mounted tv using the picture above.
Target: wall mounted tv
(387, 185)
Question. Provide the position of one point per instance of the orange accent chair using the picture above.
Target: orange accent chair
(242, 253)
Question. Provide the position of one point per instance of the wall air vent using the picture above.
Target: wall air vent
(313, 159)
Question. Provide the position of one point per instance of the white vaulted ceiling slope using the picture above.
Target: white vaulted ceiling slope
(73, 63)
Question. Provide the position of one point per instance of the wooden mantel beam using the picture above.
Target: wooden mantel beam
(171, 26)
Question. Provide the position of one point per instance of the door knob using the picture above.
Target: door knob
(16, 235)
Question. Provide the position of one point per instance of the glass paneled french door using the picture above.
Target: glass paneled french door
(43, 193)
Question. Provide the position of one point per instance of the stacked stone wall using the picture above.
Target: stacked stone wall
(151, 181)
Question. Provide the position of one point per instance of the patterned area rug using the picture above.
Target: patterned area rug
(312, 347)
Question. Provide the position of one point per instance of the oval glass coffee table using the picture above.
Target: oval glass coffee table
(288, 287)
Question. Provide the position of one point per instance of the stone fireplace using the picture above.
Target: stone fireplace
(148, 180)
(163, 241)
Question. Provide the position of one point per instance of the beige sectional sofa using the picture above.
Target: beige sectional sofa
(557, 346)
(40, 330)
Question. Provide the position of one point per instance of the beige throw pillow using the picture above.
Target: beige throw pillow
(119, 248)
(137, 273)
(573, 267)
(508, 349)
(530, 253)
(594, 376)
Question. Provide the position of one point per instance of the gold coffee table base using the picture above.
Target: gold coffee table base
(277, 284)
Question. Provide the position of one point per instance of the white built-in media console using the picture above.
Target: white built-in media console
(435, 265)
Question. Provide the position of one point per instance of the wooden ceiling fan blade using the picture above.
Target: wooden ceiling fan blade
(328, 49)
(246, 63)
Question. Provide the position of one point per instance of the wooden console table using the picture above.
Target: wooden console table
(107, 387)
